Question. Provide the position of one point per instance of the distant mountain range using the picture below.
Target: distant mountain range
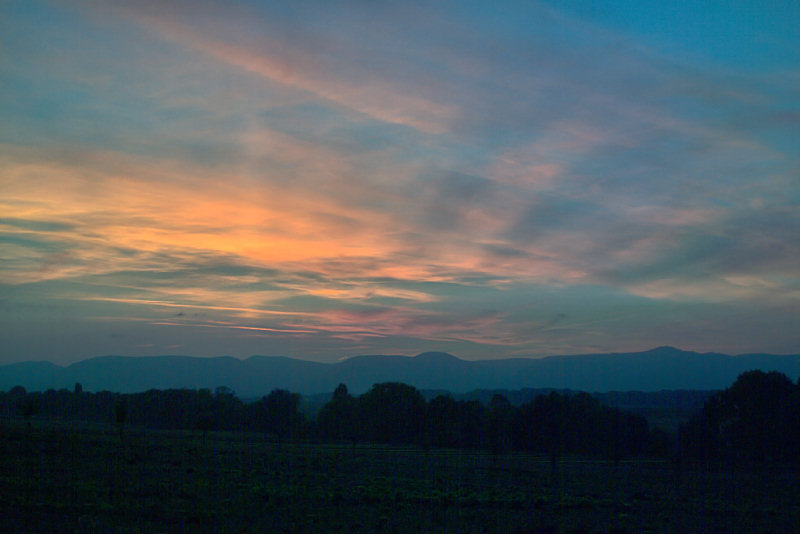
(663, 368)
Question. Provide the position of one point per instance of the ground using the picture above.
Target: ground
(76, 477)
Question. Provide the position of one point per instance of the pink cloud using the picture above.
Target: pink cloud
(402, 322)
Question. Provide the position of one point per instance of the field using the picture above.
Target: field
(75, 477)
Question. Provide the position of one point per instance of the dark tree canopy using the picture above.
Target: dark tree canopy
(756, 419)
(498, 431)
(279, 413)
(338, 420)
(393, 413)
(390, 412)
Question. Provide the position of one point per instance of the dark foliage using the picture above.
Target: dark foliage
(339, 419)
(393, 413)
(455, 424)
(278, 413)
(755, 420)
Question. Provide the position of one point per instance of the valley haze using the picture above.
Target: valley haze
(663, 368)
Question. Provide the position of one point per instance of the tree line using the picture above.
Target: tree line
(756, 419)
(389, 413)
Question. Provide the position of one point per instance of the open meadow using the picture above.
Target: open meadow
(67, 476)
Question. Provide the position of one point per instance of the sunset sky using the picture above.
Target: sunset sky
(321, 179)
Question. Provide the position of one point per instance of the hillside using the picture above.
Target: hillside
(664, 368)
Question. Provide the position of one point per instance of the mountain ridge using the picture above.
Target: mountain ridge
(661, 368)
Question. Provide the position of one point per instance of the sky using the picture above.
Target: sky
(323, 179)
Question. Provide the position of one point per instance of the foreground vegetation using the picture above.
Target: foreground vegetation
(389, 413)
(390, 461)
(63, 476)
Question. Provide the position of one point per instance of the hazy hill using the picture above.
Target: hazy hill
(664, 368)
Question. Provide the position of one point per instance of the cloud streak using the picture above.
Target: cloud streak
(292, 64)
(393, 178)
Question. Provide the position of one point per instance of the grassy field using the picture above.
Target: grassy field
(77, 477)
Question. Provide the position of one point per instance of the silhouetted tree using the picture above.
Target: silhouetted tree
(758, 416)
(660, 444)
(203, 407)
(549, 426)
(443, 428)
(121, 415)
(471, 427)
(755, 419)
(28, 406)
(227, 409)
(279, 412)
(498, 431)
(700, 439)
(624, 434)
(204, 422)
(338, 420)
(585, 424)
(393, 413)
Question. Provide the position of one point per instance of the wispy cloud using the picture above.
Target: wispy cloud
(394, 176)
(290, 61)
(168, 304)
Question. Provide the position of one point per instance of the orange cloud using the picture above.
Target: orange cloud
(119, 202)
(160, 209)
